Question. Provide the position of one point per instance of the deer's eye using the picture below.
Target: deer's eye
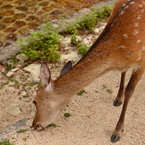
(35, 102)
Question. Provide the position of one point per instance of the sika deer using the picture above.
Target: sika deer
(119, 47)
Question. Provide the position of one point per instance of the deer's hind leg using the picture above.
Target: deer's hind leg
(135, 77)
(120, 96)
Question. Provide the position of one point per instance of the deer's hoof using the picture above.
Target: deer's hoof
(114, 138)
(117, 103)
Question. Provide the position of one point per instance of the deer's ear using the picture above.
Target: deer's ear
(45, 75)
(66, 68)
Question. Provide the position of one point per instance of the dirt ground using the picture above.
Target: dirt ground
(93, 117)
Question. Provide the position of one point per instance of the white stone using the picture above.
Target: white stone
(88, 40)
(22, 57)
(96, 30)
(33, 69)
(10, 73)
(13, 109)
(23, 93)
(66, 40)
(72, 56)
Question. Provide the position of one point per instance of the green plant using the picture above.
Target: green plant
(89, 20)
(75, 39)
(25, 138)
(21, 131)
(72, 29)
(42, 44)
(102, 12)
(81, 92)
(109, 91)
(3, 84)
(52, 125)
(12, 63)
(5, 142)
(104, 86)
(82, 49)
(67, 115)
(96, 91)
(25, 96)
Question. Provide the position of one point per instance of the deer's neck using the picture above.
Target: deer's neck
(94, 64)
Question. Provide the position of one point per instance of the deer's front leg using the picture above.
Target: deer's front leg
(135, 77)
(119, 99)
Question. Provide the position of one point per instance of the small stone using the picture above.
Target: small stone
(8, 13)
(6, 6)
(22, 8)
(19, 24)
(10, 29)
(30, 3)
(2, 26)
(13, 109)
(22, 57)
(23, 31)
(17, 2)
(33, 25)
(96, 30)
(10, 74)
(19, 15)
(11, 37)
(31, 10)
(8, 20)
(43, 4)
(40, 13)
(56, 12)
(56, 6)
(47, 8)
(32, 18)
(23, 93)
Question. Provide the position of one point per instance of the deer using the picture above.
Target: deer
(120, 46)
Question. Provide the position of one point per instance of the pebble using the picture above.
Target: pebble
(22, 58)
(10, 74)
(13, 109)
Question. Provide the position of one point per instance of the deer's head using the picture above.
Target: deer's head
(49, 103)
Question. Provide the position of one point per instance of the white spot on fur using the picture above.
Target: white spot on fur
(136, 25)
(121, 13)
(140, 6)
(139, 57)
(125, 35)
(121, 47)
(135, 32)
(138, 17)
(143, 11)
(132, 2)
(143, 48)
(138, 41)
(126, 7)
